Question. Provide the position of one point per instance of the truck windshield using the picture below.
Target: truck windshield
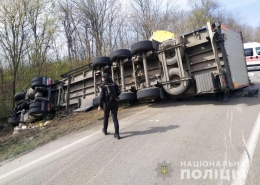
(257, 50)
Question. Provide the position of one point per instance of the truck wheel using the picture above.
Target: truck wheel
(37, 112)
(41, 89)
(38, 109)
(149, 93)
(35, 105)
(120, 54)
(40, 99)
(101, 61)
(96, 101)
(177, 88)
(127, 97)
(14, 121)
(19, 96)
(40, 81)
(145, 45)
(170, 55)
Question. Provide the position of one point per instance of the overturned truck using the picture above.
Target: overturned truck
(208, 60)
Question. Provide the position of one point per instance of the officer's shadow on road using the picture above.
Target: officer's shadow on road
(151, 130)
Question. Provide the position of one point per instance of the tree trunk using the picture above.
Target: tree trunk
(14, 87)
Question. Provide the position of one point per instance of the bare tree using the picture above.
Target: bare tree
(149, 15)
(203, 11)
(43, 26)
(66, 9)
(13, 33)
(96, 15)
(144, 17)
(257, 34)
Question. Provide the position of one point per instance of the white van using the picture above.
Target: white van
(252, 53)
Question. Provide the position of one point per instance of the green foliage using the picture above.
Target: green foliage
(25, 75)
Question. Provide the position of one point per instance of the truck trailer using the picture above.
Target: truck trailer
(208, 60)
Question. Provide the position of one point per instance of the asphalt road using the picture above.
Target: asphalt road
(188, 142)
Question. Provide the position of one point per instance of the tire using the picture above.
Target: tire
(96, 101)
(41, 89)
(38, 109)
(149, 93)
(120, 54)
(14, 121)
(177, 88)
(40, 81)
(101, 61)
(145, 45)
(37, 112)
(127, 97)
(170, 55)
(35, 105)
(40, 99)
(19, 96)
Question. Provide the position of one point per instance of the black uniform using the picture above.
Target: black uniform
(109, 106)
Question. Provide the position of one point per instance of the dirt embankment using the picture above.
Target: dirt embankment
(13, 145)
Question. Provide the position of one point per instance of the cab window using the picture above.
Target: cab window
(248, 52)
(257, 50)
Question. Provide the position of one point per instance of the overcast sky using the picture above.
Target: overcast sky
(249, 10)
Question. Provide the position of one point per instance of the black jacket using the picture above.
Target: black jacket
(102, 90)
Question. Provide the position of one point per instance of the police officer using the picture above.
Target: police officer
(109, 106)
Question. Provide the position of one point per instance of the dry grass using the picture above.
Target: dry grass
(13, 145)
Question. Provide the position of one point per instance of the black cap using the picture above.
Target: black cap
(105, 75)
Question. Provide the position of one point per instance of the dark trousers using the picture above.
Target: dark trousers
(113, 107)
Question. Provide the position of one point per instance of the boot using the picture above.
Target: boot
(116, 135)
(103, 130)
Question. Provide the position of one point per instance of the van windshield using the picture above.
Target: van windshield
(257, 50)
(248, 52)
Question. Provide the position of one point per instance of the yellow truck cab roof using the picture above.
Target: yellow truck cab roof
(162, 35)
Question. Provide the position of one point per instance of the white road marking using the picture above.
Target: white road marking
(247, 156)
(226, 153)
(47, 156)
(230, 128)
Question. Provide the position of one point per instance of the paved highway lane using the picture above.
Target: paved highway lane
(191, 142)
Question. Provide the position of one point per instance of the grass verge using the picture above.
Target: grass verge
(15, 145)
